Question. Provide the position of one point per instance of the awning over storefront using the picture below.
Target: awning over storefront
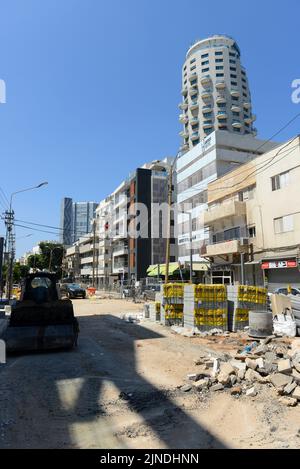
(200, 267)
(160, 269)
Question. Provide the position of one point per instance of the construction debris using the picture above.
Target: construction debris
(275, 365)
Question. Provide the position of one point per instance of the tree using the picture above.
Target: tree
(50, 257)
(20, 271)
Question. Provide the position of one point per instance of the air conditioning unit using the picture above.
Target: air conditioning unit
(244, 241)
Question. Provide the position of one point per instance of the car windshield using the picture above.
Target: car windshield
(74, 286)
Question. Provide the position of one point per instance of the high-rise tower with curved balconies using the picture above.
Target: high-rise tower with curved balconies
(215, 90)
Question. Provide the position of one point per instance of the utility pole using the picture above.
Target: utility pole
(170, 183)
(94, 251)
(10, 249)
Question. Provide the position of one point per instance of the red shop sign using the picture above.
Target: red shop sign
(279, 264)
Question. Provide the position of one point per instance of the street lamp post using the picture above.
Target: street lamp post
(10, 240)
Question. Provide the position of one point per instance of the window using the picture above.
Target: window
(232, 61)
(223, 127)
(234, 83)
(219, 67)
(192, 68)
(244, 81)
(231, 54)
(237, 129)
(246, 194)
(192, 61)
(206, 62)
(195, 142)
(222, 105)
(232, 75)
(234, 113)
(252, 231)
(205, 70)
(245, 95)
(219, 75)
(283, 224)
(233, 69)
(219, 53)
(204, 56)
(219, 60)
(194, 82)
(280, 180)
(235, 98)
(195, 127)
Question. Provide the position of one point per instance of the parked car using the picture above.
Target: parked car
(73, 290)
(284, 291)
(150, 291)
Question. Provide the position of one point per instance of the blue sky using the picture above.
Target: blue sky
(93, 88)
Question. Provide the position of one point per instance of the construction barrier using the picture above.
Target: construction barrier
(172, 304)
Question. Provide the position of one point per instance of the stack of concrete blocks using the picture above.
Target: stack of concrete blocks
(172, 304)
(242, 299)
(155, 308)
(146, 310)
(205, 307)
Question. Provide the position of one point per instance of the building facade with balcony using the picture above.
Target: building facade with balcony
(253, 221)
(218, 154)
(215, 90)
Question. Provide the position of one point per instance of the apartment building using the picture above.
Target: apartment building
(79, 259)
(218, 154)
(215, 90)
(103, 240)
(253, 219)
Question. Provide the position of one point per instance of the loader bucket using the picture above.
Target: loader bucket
(41, 320)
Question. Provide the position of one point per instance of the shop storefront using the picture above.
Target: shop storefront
(281, 273)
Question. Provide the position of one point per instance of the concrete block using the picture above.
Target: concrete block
(296, 375)
(252, 375)
(192, 376)
(217, 387)
(186, 388)
(260, 362)
(290, 388)
(251, 363)
(251, 392)
(280, 380)
(201, 384)
(296, 366)
(238, 365)
(296, 393)
(241, 374)
(284, 366)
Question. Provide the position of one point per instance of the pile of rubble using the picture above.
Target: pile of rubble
(269, 363)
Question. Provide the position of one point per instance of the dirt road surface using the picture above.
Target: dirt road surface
(119, 389)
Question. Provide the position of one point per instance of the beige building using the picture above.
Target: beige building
(253, 219)
(215, 90)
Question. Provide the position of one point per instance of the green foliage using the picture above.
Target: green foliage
(50, 257)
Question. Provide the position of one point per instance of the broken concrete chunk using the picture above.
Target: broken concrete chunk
(260, 362)
(186, 388)
(296, 393)
(252, 375)
(280, 380)
(238, 365)
(251, 392)
(289, 401)
(251, 363)
(284, 366)
(296, 366)
(227, 368)
(192, 376)
(296, 375)
(261, 350)
(268, 339)
(201, 384)
(290, 388)
(241, 374)
(270, 357)
(217, 387)
(233, 380)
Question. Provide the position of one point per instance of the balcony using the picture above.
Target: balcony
(86, 260)
(235, 93)
(205, 79)
(184, 148)
(120, 249)
(235, 108)
(195, 136)
(206, 94)
(220, 84)
(206, 109)
(207, 124)
(193, 76)
(194, 106)
(184, 91)
(236, 124)
(233, 208)
(120, 267)
(247, 105)
(193, 91)
(194, 120)
(184, 134)
(222, 115)
(226, 247)
(220, 99)
(248, 120)
(183, 118)
(85, 248)
(183, 106)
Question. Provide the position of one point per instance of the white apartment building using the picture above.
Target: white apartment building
(218, 154)
(215, 90)
(253, 216)
(103, 226)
